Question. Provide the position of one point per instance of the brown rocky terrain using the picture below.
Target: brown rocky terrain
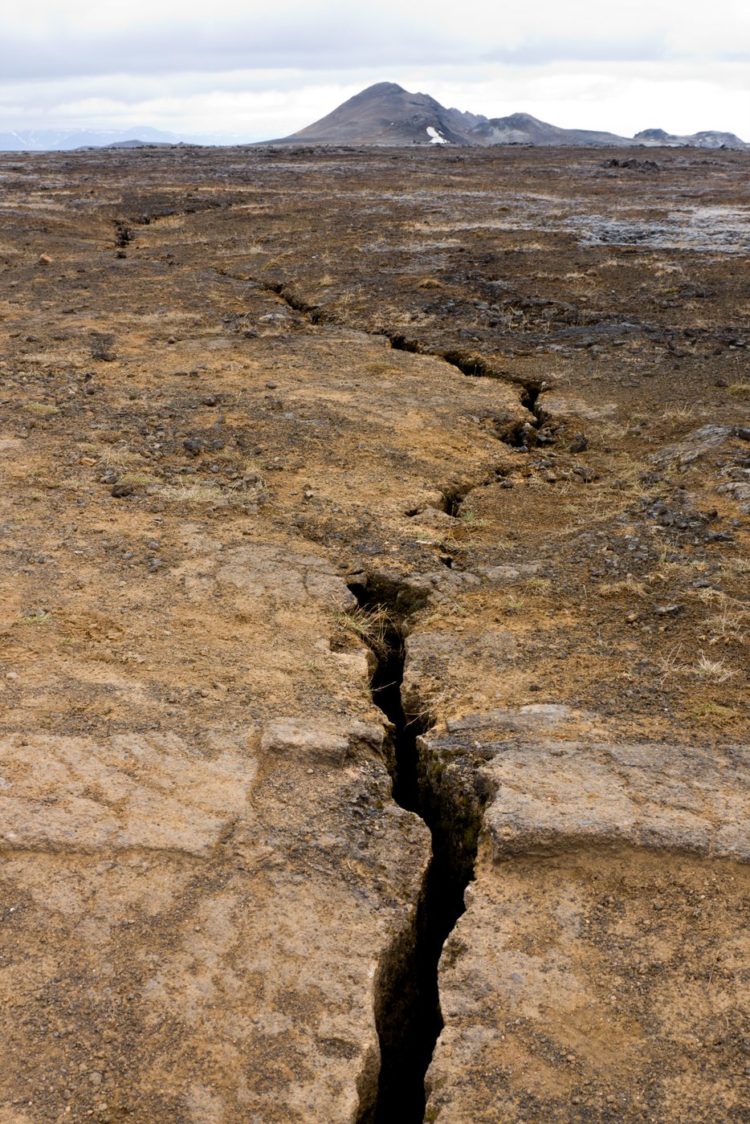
(375, 575)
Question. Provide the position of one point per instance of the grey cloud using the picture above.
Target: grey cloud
(315, 44)
(275, 67)
(319, 38)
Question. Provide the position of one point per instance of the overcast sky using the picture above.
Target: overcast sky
(263, 69)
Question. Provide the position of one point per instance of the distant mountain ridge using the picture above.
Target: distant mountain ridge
(707, 138)
(382, 115)
(522, 128)
(386, 114)
(45, 140)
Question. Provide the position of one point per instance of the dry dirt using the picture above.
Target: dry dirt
(289, 434)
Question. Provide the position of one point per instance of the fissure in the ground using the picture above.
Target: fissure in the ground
(407, 1006)
(520, 435)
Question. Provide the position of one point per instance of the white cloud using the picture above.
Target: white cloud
(621, 97)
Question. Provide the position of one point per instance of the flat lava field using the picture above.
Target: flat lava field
(374, 532)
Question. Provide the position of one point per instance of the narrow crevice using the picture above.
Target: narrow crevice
(407, 1009)
(534, 430)
(469, 364)
(454, 496)
(401, 343)
(530, 400)
(473, 365)
(519, 434)
(296, 303)
(530, 396)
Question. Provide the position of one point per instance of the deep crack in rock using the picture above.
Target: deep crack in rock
(407, 1008)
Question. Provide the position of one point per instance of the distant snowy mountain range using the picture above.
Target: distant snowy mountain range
(58, 140)
(383, 114)
(42, 140)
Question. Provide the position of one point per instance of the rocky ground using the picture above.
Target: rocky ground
(375, 533)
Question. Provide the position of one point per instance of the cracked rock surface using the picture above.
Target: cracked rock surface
(374, 677)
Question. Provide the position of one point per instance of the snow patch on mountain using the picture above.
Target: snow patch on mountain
(435, 136)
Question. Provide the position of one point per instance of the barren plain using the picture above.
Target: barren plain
(374, 673)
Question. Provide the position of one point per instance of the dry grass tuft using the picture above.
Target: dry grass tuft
(137, 479)
(41, 409)
(716, 671)
(628, 587)
(373, 627)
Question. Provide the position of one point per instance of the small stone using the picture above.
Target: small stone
(579, 444)
(171, 339)
(272, 385)
(193, 446)
(119, 491)
(210, 400)
(668, 610)
(719, 536)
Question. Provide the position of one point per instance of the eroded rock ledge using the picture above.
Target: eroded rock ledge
(594, 973)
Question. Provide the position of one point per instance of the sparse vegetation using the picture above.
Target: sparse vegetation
(628, 587)
(714, 670)
(372, 626)
(41, 409)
